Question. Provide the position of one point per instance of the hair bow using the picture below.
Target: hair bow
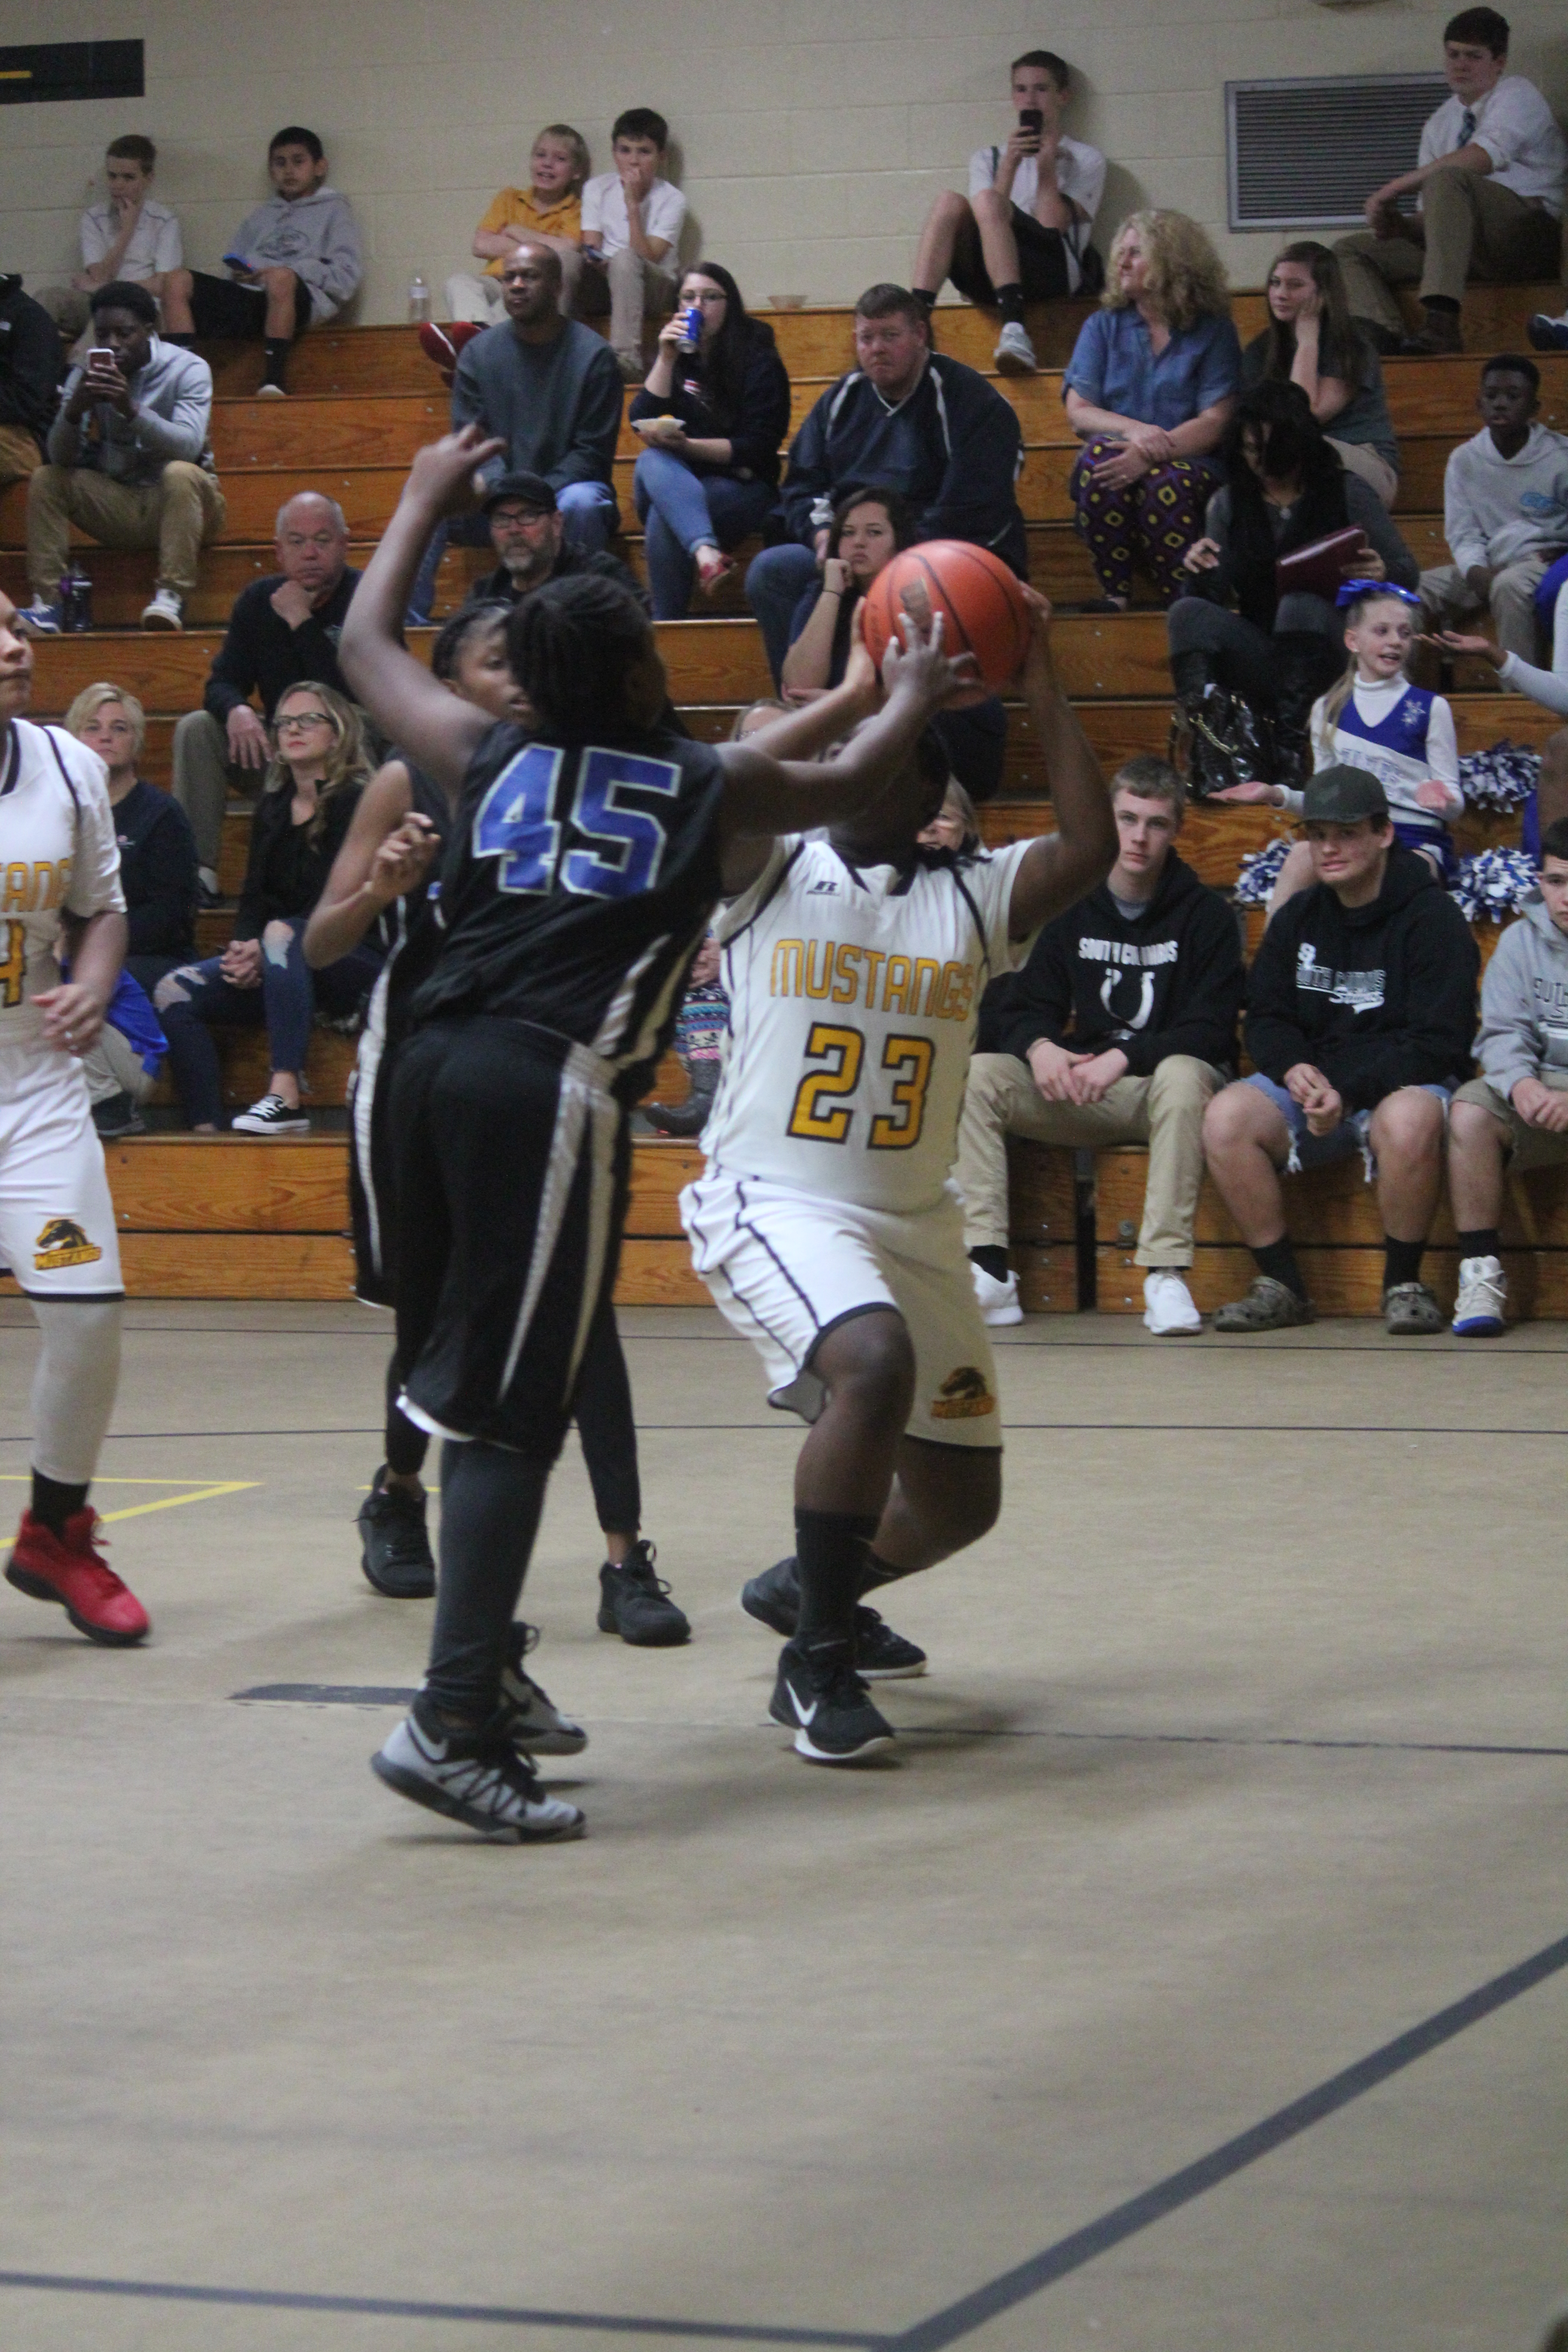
(1354, 589)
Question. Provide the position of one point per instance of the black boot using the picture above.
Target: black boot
(1227, 742)
(690, 1117)
(1306, 666)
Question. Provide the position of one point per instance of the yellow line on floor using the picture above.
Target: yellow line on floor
(202, 1491)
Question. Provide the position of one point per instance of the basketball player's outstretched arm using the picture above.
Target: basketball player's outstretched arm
(1062, 866)
(439, 732)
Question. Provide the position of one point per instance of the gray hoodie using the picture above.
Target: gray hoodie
(1498, 510)
(315, 236)
(172, 399)
(1524, 1005)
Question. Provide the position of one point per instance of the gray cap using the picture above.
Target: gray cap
(1340, 794)
(526, 489)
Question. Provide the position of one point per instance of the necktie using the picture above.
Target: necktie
(1468, 126)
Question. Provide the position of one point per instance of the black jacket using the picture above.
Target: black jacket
(31, 361)
(760, 425)
(1377, 997)
(157, 872)
(1170, 982)
(287, 871)
(954, 448)
(572, 563)
(263, 654)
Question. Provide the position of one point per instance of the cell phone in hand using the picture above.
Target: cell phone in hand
(1032, 119)
(99, 357)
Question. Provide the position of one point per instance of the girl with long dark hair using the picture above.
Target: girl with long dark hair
(1312, 341)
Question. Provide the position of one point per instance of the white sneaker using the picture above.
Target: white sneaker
(1014, 354)
(271, 391)
(1168, 1303)
(482, 1783)
(998, 1300)
(273, 1115)
(167, 610)
(1483, 1295)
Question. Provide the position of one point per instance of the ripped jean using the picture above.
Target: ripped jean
(195, 998)
(1352, 1133)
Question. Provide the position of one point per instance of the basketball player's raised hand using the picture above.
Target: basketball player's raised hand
(441, 479)
(402, 860)
(920, 665)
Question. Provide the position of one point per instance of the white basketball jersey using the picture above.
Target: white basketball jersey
(854, 995)
(58, 855)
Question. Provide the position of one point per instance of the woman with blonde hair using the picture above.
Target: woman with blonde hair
(312, 790)
(1151, 390)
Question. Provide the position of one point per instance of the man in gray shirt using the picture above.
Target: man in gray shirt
(128, 461)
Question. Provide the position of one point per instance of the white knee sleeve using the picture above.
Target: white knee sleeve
(74, 1385)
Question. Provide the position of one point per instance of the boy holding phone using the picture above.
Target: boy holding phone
(1022, 233)
(631, 227)
(294, 260)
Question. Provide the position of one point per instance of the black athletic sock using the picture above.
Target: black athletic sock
(991, 1259)
(1010, 302)
(407, 1443)
(830, 1562)
(876, 1571)
(54, 1502)
(275, 369)
(1441, 302)
(1482, 1241)
(1278, 1259)
(1401, 1261)
(491, 1499)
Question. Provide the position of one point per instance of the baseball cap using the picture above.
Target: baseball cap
(528, 490)
(1340, 794)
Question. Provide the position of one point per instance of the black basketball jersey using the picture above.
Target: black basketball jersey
(578, 885)
(409, 929)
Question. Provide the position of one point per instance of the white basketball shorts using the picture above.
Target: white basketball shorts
(57, 1220)
(786, 1267)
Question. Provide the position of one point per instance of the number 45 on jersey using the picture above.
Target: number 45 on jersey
(516, 822)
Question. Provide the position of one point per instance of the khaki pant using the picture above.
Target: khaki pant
(178, 515)
(1528, 1147)
(1360, 457)
(1448, 598)
(479, 299)
(202, 778)
(1472, 228)
(20, 455)
(627, 289)
(1164, 1110)
(114, 1067)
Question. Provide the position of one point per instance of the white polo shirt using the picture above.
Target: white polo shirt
(1519, 132)
(154, 249)
(1080, 177)
(604, 211)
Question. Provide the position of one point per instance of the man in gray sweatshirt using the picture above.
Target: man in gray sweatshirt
(1505, 511)
(128, 461)
(292, 262)
(1515, 1114)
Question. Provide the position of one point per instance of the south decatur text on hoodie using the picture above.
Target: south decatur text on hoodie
(1524, 1003)
(1171, 982)
(315, 236)
(1377, 997)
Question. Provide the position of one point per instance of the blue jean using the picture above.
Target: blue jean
(685, 510)
(775, 582)
(196, 998)
(590, 516)
(1352, 1133)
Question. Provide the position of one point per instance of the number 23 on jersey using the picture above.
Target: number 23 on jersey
(823, 1112)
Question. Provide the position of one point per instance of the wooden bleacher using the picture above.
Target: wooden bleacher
(234, 1216)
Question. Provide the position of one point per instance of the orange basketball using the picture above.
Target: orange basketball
(984, 608)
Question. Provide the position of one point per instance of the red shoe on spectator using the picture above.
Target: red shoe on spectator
(75, 1573)
(443, 345)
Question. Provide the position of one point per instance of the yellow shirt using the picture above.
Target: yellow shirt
(521, 209)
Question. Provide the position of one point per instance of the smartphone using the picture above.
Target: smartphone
(102, 358)
(1032, 119)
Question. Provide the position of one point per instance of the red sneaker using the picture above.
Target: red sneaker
(76, 1574)
(444, 345)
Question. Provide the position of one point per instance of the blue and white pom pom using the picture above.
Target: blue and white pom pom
(1258, 872)
(1493, 887)
(1500, 777)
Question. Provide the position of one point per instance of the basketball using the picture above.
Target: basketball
(983, 605)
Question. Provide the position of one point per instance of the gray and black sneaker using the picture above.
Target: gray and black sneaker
(1268, 1305)
(530, 1721)
(396, 1552)
(880, 1654)
(482, 1781)
(820, 1697)
(635, 1603)
(117, 1115)
(1410, 1311)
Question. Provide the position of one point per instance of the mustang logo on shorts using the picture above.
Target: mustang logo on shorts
(963, 1396)
(63, 1243)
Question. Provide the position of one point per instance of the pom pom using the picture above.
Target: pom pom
(1500, 777)
(1493, 887)
(1259, 873)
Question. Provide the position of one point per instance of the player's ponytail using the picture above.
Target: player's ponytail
(574, 644)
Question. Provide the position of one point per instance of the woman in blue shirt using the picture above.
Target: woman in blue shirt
(1151, 389)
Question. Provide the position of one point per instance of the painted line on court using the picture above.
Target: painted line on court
(204, 1491)
(787, 1426)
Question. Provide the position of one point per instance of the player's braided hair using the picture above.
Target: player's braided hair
(572, 644)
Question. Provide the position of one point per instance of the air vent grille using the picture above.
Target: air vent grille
(1307, 154)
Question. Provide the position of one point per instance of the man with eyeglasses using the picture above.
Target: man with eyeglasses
(282, 629)
(528, 532)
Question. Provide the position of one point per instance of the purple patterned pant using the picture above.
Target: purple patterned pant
(1153, 520)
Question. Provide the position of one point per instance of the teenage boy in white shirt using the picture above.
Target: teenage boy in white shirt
(631, 228)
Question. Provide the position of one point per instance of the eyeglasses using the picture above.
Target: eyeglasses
(302, 719)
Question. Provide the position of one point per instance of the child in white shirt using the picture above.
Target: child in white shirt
(631, 229)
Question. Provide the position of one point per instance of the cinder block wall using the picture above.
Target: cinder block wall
(812, 133)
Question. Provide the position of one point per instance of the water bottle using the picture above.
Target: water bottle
(691, 329)
(419, 301)
(76, 603)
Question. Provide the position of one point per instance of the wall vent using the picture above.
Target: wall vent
(1307, 154)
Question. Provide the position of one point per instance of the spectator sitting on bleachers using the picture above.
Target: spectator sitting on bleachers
(129, 238)
(1547, 687)
(954, 826)
(908, 417)
(282, 629)
(549, 211)
(1311, 340)
(308, 801)
(1022, 233)
(1488, 182)
(1360, 1017)
(1505, 510)
(30, 361)
(293, 263)
(130, 461)
(1117, 1030)
(528, 532)
(701, 1027)
(631, 229)
(1514, 1114)
(1150, 390)
(1245, 679)
(713, 412)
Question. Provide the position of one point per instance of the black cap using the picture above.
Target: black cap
(1339, 795)
(528, 490)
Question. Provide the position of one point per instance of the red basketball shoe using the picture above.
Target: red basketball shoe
(444, 345)
(75, 1573)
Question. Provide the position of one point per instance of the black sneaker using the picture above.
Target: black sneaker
(530, 1721)
(396, 1556)
(880, 1654)
(635, 1603)
(820, 1697)
(117, 1115)
(482, 1781)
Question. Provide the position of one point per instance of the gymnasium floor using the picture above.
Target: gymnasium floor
(1242, 1767)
